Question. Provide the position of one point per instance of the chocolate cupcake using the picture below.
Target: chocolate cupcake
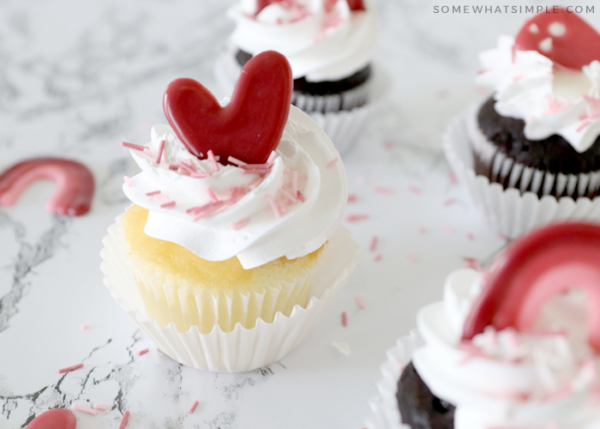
(514, 347)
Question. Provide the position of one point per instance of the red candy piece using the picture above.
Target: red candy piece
(249, 127)
(57, 418)
(563, 37)
(73, 195)
(537, 267)
(329, 4)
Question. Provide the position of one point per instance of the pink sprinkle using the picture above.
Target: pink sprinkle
(143, 352)
(191, 170)
(124, 420)
(84, 327)
(344, 319)
(447, 229)
(256, 171)
(274, 206)
(101, 407)
(470, 236)
(382, 190)
(412, 257)
(239, 225)
(582, 126)
(332, 162)
(356, 217)
(266, 166)
(161, 148)
(452, 177)
(200, 175)
(148, 152)
(373, 243)
(128, 181)
(211, 195)
(169, 204)
(422, 230)
(236, 161)
(272, 157)
(378, 258)
(295, 183)
(300, 196)
(213, 161)
(133, 146)
(449, 202)
(415, 190)
(472, 263)
(149, 194)
(351, 198)
(288, 197)
(83, 408)
(193, 407)
(161, 197)
(70, 368)
(360, 302)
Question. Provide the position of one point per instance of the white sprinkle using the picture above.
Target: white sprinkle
(342, 347)
(533, 28)
(557, 29)
(546, 44)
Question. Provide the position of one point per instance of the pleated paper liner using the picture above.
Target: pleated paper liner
(228, 346)
(344, 126)
(526, 203)
(384, 407)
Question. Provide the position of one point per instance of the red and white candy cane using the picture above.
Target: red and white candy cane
(535, 268)
(562, 36)
(75, 184)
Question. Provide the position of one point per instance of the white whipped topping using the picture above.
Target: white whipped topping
(320, 45)
(550, 101)
(508, 379)
(303, 227)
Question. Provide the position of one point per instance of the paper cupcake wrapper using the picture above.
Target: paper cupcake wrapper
(384, 407)
(513, 211)
(240, 349)
(343, 127)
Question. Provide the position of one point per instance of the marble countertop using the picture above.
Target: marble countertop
(77, 77)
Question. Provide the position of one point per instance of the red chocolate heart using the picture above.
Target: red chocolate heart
(249, 127)
(562, 36)
(532, 270)
(329, 4)
(356, 5)
(57, 418)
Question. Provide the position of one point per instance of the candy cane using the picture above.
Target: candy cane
(73, 194)
(539, 266)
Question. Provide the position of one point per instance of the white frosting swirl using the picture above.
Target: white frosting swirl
(303, 228)
(320, 46)
(509, 379)
(549, 100)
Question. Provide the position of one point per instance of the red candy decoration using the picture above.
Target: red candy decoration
(563, 37)
(73, 195)
(535, 268)
(57, 418)
(356, 5)
(249, 127)
(329, 4)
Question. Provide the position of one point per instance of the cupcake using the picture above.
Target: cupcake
(329, 46)
(514, 347)
(537, 135)
(233, 245)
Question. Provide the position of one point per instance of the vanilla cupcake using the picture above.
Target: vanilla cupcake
(234, 244)
(329, 46)
(513, 347)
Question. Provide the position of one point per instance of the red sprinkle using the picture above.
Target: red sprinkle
(133, 146)
(360, 302)
(382, 190)
(332, 162)
(344, 319)
(356, 217)
(351, 198)
(124, 420)
(414, 189)
(143, 352)
(300, 196)
(149, 194)
(169, 204)
(70, 368)
(193, 407)
(161, 148)
(472, 263)
(373, 243)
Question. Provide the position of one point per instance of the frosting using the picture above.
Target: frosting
(543, 378)
(75, 184)
(322, 43)
(549, 98)
(248, 212)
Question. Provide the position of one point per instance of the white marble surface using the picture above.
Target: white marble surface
(77, 77)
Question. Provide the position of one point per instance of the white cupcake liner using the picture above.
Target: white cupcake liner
(384, 407)
(343, 127)
(240, 349)
(514, 211)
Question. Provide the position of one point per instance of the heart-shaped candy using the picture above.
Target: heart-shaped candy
(57, 418)
(532, 270)
(356, 5)
(562, 36)
(249, 127)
